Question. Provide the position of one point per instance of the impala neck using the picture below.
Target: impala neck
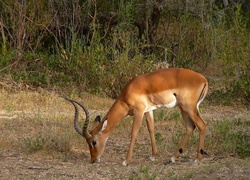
(117, 112)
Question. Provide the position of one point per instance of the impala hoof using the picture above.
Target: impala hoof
(125, 163)
(152, 158)
(96, 161)
(172, 160)
(197, 161)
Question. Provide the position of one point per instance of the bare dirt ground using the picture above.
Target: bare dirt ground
(17, 164)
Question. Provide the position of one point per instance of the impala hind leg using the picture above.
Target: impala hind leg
(189, 130)
(150, 124)
(202, 132)
(198, 121)
(135, 129)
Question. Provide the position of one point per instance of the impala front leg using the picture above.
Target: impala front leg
(150, 124)
(136, 126)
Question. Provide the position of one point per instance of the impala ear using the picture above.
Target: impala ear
(96, 121)
(104, 125)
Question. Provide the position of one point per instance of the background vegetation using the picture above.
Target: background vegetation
(97, 46)
(86, 47)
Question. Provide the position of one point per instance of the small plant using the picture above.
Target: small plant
(166, 114)
(159, 137)
(177, 137)
(66, 157)
(230, 137)
(144, 172)
(48, 140)
(60, 143)
(10, 107)
(242, 144)
(175, 115)
(160, 114)
(35, 144)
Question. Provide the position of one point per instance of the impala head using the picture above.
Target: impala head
(95, 141)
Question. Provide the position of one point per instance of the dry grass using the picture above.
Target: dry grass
(39, 127)
(38, 122)
(45, 101)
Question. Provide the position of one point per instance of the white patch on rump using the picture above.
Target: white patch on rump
(198, 104)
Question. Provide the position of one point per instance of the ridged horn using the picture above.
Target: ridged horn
(84, 130)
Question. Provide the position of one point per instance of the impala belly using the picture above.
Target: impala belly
(165, 99)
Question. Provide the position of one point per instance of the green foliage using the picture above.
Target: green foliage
(161, 114)
(47, 138)
(230, 137)
(99, 46)
(175, 115)
(177, 137)
(144, 173)
(167, 114)
(56, 142)
(223, 96)
(233, 51)
(34, 144)
(159, 138)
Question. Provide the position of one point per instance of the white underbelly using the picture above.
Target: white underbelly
(169, 105)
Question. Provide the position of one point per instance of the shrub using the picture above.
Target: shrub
(230, 137)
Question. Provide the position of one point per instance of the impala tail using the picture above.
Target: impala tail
(202, 96)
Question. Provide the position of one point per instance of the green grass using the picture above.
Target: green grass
(167, 114)
(230, 136)
(144, 172)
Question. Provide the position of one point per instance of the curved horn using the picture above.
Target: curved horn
(84, 130)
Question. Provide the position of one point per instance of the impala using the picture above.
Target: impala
(143, 94)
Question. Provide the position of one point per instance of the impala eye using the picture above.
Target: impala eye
(94, 143)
